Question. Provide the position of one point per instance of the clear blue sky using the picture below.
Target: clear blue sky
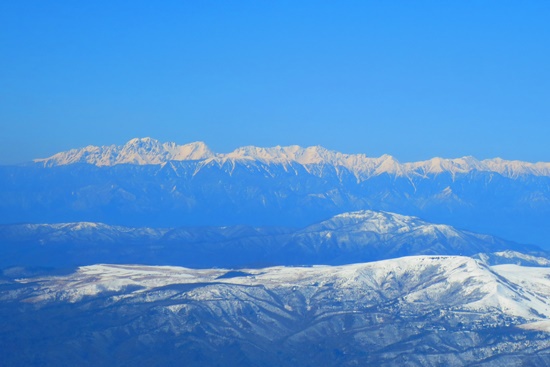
(414, 79)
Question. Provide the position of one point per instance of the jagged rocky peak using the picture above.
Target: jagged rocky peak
(138, 151)
(439, 165)
(292, 153)
(517, 168)
(151, 151)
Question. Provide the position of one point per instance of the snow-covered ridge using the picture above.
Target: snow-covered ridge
(452, 309)
(382, 222)
(455, 283)
(142, 151)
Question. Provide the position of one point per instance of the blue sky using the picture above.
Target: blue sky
(411, 79)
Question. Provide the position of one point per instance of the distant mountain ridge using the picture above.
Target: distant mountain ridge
(144, 151)
(343, 239)
(145, 183)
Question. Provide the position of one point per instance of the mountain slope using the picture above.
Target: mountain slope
(415, 311)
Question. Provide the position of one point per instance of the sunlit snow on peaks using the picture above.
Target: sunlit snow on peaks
(144, 151)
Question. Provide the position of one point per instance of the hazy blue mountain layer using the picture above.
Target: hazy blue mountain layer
(343, 239)
(256, 193)
(283, 256)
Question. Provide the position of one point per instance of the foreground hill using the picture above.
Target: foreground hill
(414, 311)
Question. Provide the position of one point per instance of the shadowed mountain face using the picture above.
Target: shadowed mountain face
(416, 311)
(346, 238)
(260, 194)
(148, 183)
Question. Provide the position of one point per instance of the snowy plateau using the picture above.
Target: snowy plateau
(159, 254)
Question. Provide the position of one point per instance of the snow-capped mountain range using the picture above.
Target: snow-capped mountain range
(145, 183)
(142, 151)
(299, 258)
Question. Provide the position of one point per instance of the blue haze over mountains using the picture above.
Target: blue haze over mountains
(148, 183)
(156, 254)
(152, 253)
(347, 238)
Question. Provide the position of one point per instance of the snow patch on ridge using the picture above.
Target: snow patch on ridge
(385, 222)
